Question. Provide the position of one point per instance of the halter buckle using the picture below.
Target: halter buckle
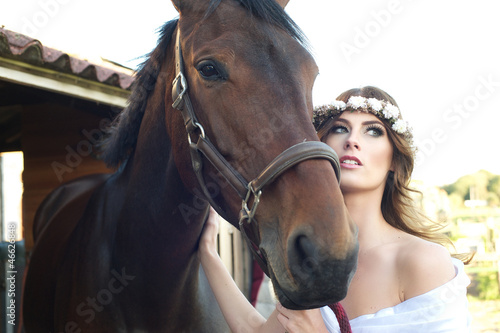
(181, 86)
(247, 213)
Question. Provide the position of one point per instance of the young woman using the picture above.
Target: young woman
(406, 280)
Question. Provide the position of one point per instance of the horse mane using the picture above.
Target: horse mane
(120, 138)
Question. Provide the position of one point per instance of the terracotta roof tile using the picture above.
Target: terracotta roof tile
(17, 46)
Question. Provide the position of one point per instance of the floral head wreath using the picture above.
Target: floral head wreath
(379, 108)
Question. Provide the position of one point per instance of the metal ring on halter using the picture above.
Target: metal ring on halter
(202, 130)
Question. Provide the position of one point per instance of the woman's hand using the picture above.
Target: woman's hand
(301, 321)
(236, 308)
(208, 240)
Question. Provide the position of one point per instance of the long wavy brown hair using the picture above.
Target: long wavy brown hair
(398, 201)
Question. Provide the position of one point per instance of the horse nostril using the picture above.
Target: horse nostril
(305, 249)
(305, 258)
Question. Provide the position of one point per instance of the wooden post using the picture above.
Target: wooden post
(235, 256)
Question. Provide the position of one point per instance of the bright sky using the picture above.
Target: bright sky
(440, 60)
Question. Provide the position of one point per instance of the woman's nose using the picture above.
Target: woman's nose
(352, 142)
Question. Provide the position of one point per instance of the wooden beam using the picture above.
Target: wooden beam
(47, 79)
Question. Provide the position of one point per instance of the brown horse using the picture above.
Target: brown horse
(117, 253)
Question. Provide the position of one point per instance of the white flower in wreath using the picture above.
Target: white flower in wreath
(357, 102)
(374, 104)
(339, 105)
(391, 111)
(400, 126)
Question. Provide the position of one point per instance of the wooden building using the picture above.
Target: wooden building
(53, 107)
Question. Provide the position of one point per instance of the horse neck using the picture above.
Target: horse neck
(152, 223)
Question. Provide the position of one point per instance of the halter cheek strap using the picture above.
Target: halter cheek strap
(182, 102)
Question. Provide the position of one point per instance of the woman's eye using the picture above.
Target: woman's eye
(339, 129)
(375, 131)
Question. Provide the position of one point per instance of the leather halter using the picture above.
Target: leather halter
(246, 190)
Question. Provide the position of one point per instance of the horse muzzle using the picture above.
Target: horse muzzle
(311, 277)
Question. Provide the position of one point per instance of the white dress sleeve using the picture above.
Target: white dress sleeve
(443, 309)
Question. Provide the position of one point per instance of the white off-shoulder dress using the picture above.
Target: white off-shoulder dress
(443, 309)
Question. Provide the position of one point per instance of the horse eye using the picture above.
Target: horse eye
(209, 71)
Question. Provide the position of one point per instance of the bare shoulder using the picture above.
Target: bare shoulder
(422, 266)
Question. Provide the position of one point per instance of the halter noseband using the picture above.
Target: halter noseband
(246, 190)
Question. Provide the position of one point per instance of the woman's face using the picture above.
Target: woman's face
(365, 152)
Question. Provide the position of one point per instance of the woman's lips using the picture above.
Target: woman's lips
(350, 162)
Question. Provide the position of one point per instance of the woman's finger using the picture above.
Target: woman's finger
(283, 320)
(213, 218)
(282, 317)
(208, 240)
(281, 309)
(303, 321)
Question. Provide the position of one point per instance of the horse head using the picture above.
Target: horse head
(249, 79)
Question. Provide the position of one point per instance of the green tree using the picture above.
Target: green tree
(494, 185)
(482, 185)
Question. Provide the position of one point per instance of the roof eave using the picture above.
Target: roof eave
(47, 79)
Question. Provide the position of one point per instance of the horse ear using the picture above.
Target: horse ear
(185, 5)
(177, 5)
(282, 3)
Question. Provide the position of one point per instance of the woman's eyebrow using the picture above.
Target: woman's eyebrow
(368, 122)
(342, 120)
